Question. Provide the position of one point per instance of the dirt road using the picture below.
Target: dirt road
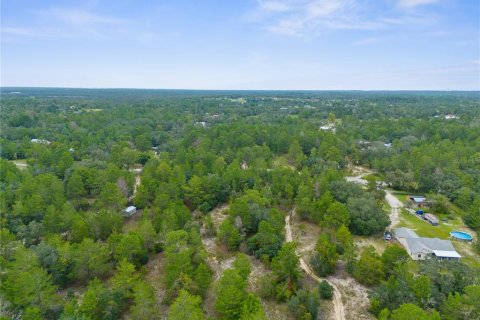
(337, 296)
(138, 180)
(392, 200)
(395, 205)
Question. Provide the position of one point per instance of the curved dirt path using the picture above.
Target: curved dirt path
(395, 204)
(337, 296)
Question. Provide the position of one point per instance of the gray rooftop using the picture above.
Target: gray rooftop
(431, 217)
(404, 233)
(416, 243)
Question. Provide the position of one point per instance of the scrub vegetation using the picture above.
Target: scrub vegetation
(213, 176)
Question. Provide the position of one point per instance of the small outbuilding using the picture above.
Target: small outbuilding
(419, 201)
(129, 211)
(433, 220)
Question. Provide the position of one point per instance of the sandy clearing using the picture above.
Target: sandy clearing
(337, 296)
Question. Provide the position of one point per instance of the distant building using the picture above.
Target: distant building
(419, 201)
(388, 145)
(201, 124)
(41, 141)
(420, 248)
(451, 116)
(129, 211)
(328, 127)
(433, 220)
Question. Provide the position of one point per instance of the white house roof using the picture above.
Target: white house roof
(446, 254)
(131, 208)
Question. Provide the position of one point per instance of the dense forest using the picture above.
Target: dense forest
(213, 176)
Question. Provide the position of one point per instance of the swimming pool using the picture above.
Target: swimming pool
(459, 235)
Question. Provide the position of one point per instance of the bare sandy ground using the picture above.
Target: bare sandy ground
(219, 260)
(354, 296)
(338, 307)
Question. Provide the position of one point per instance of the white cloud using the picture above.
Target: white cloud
(298, 17)
(16, 31)
(80, 17)
(258, 58)
(62, 22)
(274, 6)
(321, 8)
(309, 17)
(367, 41)
(414, 3)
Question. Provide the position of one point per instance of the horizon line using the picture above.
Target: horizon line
(266, 90)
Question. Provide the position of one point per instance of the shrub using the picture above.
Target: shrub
(325, 290)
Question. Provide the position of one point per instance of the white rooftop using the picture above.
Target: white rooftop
(446, 254)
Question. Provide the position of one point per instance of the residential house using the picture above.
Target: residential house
(420, 248)
(451, 116)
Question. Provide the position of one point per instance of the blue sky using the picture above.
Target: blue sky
(250, 44)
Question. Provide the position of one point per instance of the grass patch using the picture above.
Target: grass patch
(401, 193)
(386, 207)
(470, 261)
(374, 176)
(375, 240)
(413, 266)
(281, 162)
(21, 164)
(425, 229)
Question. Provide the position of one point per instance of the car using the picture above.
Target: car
(387, 236)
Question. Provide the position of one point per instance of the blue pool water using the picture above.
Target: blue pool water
(461, 235)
